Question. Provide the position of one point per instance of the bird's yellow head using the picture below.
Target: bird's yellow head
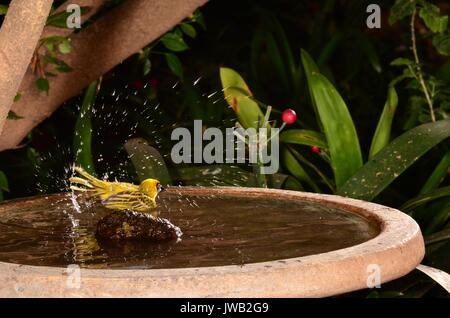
(150, 188)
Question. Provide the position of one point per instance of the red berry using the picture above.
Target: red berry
(137, 84)
(289, 116)
(315, 149)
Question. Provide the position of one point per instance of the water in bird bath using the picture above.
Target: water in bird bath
(218, 230)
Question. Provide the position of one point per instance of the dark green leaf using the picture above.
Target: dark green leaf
(382, 134)
(189, 30)
(82, 140)
(61, 66)
(4, 186)
(395, 158)
(430, 14)
(198, 17)
(401, 9)
(293, 184)
(174, 64)
(338, 125)
(42, 84)
(438, 237)
(3, 9)
(147, 161)
(277, 59)
(401, 61)
(438, 174)
(439, 214)
(296, 169)
(371, 53)
(442, 43)
(174, 42)
(13, 116)
(426, 198)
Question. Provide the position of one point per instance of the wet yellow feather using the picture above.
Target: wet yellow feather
(118, 195)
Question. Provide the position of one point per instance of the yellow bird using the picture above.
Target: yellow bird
(118, 195)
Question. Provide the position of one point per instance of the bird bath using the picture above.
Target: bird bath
(237, 242)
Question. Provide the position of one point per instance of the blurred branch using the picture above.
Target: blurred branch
(95, 50)
(19, 35)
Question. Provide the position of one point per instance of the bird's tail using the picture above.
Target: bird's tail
(87, 183)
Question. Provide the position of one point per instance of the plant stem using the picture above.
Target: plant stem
(419, 70)
(260, 178)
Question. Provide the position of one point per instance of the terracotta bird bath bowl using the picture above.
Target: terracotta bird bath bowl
(236, 242)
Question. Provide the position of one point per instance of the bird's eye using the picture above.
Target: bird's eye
(159, 186)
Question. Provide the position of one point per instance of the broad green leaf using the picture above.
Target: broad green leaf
(401, 9)
(147, 161)
(82, 139)
(304, 137)
(189, 30)
(382, 134)
(311, 67)
(337, 123)
(426, 198)
(238, 96)
(394, 159)
(442, 43)
(175, 65)
(430, 14)
(42, 84)
(438, 174)
(4, 186)
(295, 168)
(174, 42)
(3, 9)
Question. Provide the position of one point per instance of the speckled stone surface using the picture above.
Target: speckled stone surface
(396, 251)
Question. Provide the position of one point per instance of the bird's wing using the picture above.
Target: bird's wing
(125, 200)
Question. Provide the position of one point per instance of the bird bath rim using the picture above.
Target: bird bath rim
(394, 252)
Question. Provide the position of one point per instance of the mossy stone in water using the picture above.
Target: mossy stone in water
(125, 225)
